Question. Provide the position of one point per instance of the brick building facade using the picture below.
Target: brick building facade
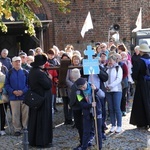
(104, 13)
(65, 28)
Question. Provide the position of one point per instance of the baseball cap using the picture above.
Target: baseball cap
(16, 58)
(80, 81)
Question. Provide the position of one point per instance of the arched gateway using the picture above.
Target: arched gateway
(16, 39)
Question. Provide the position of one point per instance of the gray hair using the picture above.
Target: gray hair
(5, 50)
(114, 57)
(137, 47)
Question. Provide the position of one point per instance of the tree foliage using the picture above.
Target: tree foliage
(24, 13)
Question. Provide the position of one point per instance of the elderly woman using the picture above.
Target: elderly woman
(114, 93)
(40, 120)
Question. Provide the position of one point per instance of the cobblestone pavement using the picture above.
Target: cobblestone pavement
(66, 137)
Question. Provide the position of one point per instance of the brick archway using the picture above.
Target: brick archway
(48, 32)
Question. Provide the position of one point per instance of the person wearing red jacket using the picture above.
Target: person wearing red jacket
(54, 75)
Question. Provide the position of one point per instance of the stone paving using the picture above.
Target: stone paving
(66, 137)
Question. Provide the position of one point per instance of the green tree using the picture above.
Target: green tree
(24, 12)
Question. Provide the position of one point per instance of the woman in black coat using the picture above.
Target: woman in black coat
(140, 114)
(40, 120)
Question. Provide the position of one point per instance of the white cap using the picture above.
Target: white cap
(16, 58)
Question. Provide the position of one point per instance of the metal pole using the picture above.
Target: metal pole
(25, 139)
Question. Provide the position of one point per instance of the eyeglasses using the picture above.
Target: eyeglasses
(103, 47)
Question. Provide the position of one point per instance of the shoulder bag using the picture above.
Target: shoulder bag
(33, 100)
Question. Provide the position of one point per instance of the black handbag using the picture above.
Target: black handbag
(103, 75)
(33, 100)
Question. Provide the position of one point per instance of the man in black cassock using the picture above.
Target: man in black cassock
(40, 120)
(140, 114)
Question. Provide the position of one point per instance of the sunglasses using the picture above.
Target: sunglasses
(103, 47)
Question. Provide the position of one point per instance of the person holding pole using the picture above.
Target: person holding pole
(85, 98)
(98, 80)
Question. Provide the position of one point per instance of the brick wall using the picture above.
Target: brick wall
(66, 27)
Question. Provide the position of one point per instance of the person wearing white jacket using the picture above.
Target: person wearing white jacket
(114, 93)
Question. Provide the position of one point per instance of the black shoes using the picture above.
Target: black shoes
(42, 146)
(124, 113)
(68, 122)
(143, 127)
(17, 134)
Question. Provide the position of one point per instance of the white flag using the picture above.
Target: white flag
(138, 21)
(87, 25)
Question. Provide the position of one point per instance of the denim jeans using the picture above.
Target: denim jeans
(114, 102)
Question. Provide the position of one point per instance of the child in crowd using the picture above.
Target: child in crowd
(84, 98)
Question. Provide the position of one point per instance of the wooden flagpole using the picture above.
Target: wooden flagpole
(95, 116)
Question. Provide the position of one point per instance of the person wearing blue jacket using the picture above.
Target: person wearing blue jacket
(16, 85)
(85, 99)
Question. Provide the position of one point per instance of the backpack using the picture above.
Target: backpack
(147, 63)
(24, 71)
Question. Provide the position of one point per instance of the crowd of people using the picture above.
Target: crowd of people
(85, 97)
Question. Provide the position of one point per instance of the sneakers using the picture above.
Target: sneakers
(119, 129)
(113, 128)
(68, 122)
(2, 132)
(124, 113)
